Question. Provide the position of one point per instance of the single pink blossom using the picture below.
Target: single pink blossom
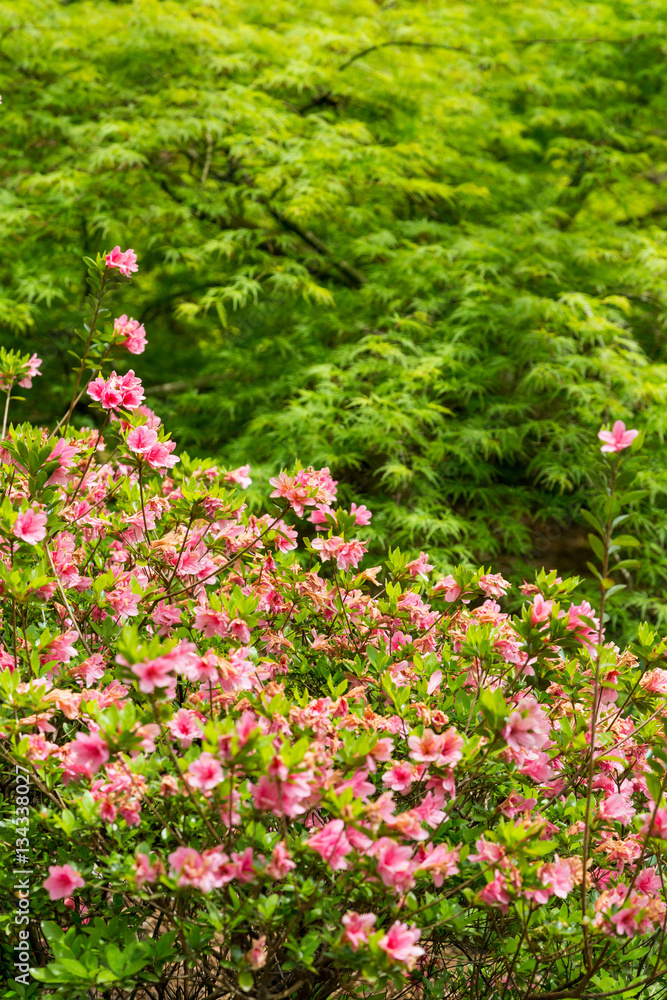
(559, 877)
(654, 681)
(153, 673)
(62, 881)
(495, 893)
(240, 476)
(616, 807)
(331, 844)
(90, 751)
(442, 862)
(124, 260)
(205, 772)
(30, 526)
(141, 439)
(144, 871)
(357, 928)
(395, 864)
(362, 514)
(185, 727)
(257, 954)
(617, 438)
(281, 862)
(493, 584)
(527, 726)
(419, 566)
(448, 586)
(400, 944)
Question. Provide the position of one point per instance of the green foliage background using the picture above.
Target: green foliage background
(420, 242)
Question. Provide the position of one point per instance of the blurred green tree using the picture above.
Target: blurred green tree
(421, 243)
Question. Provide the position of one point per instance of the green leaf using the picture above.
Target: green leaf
(246, 981)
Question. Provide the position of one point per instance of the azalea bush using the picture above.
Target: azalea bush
(254, 764)
(420, 243)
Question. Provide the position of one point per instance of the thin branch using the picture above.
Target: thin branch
(467, 51)
(412, 45)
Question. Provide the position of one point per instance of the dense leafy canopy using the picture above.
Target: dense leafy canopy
(422, 243)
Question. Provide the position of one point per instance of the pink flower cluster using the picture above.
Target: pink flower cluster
(118, 391)
(131, 334)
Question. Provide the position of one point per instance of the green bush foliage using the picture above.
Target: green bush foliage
(421, 244)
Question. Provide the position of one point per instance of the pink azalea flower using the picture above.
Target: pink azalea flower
(495, 893)
(654, 681)
(395, 864)
(648, 882)
(528, 726)
(205, 772)
(357, 928)
(90, 670)
(160, 457)
(362, 514)
(419, 566)
(306, 489)
(33, 365)
(65, 453)
(30, 526)
(240, 476)
(62, 881)
(144, 871)
(203, 871)
(124, 260)
(541, 610)
(141, 439)
(400, 944)
(449, 587)
(90, 751)
(132, 334)
(117, 391)
(256, 955)
(493, 584)
(655, 825)
(186, 726)
(442, 862)
(153, 673)
(281, 862)
(625, 920)
(441, 749)
(616, 807)
(399, 777)
(617, 438)
(487, 852)
(331, 844)
(559, 877)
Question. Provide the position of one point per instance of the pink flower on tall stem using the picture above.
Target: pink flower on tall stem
(617, 438)
(124, 260)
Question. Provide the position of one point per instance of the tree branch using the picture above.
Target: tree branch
(415, 45)
(467, 51)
